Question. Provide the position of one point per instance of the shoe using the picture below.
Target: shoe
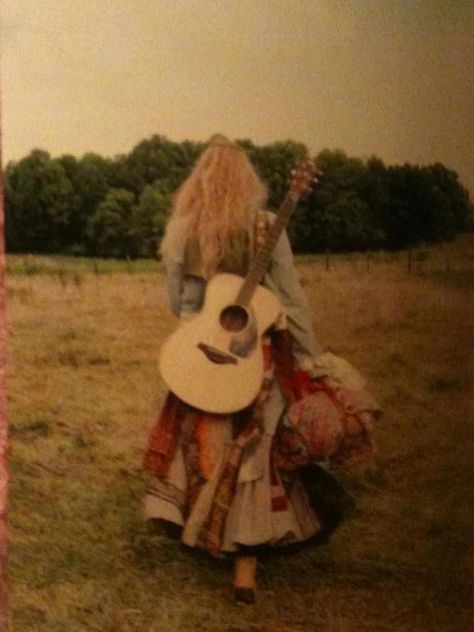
(244, 596)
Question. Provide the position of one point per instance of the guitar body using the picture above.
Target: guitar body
(214, 361)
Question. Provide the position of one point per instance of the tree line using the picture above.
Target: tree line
(118, 207)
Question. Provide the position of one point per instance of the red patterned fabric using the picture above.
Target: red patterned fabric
(327, 423)
(163, 438)
(285, 371)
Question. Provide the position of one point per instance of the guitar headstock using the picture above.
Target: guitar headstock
(303, 177)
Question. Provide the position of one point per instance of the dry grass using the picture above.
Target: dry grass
(84, 385)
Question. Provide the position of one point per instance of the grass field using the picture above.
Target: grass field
(84, 386)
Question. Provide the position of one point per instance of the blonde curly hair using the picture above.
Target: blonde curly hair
(219, 198)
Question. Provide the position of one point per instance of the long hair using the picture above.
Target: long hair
(220, 197)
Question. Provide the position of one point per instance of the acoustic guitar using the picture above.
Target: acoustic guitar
(214, 361)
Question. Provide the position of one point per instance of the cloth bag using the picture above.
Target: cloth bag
(330, 419)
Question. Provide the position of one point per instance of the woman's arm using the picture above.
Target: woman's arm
(283, 279)
(174, 285)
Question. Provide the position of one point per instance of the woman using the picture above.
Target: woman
(215, 480)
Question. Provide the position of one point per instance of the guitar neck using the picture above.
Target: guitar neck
(264, 253)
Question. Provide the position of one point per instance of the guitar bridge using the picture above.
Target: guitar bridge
(216, 356)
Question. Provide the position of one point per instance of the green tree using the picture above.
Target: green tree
(451, 200)
(274, 164)
(70, 204)
(38, 204)
(373, 191)
(419, 209)
(156, 159)
(149, 218)
(109, 230)
(89, 179)
(334, 216)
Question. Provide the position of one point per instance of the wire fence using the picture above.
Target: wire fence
(454, 258)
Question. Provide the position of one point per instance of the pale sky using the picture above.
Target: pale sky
(394, 78)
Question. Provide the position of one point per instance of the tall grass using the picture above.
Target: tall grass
(83, 389)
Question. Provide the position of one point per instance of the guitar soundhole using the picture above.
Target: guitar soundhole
(234, 318)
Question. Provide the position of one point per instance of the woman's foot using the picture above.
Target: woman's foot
(244, 596)
(245, 583)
